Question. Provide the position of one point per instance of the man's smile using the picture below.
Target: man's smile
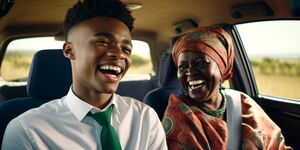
(111, 70)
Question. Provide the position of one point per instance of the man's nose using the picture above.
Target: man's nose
(116, 52)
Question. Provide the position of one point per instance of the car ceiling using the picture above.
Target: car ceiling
(155, 19)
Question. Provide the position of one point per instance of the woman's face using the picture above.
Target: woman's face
(198, 75)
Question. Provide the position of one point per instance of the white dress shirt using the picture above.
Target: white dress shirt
(63, 124)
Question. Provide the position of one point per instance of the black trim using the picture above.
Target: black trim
(5, 6)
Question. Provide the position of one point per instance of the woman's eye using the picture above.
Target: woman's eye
(127, 50)
(182, 67)
(202, 63)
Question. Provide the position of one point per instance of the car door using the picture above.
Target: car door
(267, 68)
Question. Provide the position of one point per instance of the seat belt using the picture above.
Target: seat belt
(234, 119)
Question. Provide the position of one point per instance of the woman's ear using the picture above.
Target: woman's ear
(68, 50)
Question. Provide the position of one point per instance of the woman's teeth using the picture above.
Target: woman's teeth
(196, 84)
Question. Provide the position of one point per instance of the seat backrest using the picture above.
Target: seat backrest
(49, 78)
(50, 75)
(136, 89)
(158, 98)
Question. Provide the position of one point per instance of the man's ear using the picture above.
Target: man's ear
(68, 50)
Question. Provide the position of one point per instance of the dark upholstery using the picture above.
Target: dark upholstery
(49, 78)
(158, 98)
(168, 72)
(8, 92)
(136, 89)
(50, 75)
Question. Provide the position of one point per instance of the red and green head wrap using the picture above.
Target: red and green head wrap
(212, 41)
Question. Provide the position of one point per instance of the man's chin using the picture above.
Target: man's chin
(109, 91)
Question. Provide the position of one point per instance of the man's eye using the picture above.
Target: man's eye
(102, 42)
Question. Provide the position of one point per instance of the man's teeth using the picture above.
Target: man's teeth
(108, 67)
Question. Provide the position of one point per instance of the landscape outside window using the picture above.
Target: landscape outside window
(19, 53)
(274, 51)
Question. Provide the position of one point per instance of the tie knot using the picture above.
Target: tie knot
(103, 118)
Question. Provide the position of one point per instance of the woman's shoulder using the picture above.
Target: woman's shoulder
(248, 104)
(246, 101)
(237, 94)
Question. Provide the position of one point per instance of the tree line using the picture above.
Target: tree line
(270, 66)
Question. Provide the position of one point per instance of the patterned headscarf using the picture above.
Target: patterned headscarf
(212, 41)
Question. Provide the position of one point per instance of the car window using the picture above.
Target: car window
(16, 63)
(273, 48)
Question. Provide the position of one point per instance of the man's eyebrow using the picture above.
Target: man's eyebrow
(105, 34)
(112, 36)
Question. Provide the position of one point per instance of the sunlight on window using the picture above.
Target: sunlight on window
(141, 66)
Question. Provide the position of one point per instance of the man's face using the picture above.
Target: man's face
(99, 50)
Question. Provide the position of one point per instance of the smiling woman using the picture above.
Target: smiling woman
(196, 119)
(19, 53)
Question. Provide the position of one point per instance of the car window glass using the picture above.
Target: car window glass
(141, 66)
(273, 50)
(16, 63)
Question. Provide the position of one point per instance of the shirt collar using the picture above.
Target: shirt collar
(80, 108)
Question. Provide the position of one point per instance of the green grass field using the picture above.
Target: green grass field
(278, 85)
(277, 77)
(16, 65)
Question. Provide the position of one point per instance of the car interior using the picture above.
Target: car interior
(159, 24)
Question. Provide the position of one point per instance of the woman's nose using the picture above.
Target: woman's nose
(192, 70)
(188, 71)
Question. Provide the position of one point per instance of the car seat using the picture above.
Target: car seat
(168, 83)
(49, 78)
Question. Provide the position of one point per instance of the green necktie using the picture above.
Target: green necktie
(109, 138)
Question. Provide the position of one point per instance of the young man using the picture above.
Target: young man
(98, 44)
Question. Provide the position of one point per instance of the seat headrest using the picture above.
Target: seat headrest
(50, 75)
(168, 72)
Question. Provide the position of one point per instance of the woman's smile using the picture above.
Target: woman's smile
(195, 84)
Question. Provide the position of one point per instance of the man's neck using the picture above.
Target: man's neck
(94, 98)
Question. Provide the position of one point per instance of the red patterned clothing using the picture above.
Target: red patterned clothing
(188, 127)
